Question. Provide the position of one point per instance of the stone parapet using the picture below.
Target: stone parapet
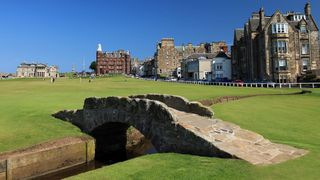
(179, 103)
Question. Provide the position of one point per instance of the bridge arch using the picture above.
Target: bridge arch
(153, 118)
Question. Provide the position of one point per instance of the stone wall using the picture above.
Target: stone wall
(46, 158)
(179, 103)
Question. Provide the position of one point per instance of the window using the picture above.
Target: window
(281, 65)
(305, 48)
(280, 47)
(298, 17)
(303, 29)
(305, 64)
(219, 66)
(279, 28)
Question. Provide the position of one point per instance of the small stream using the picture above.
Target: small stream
(144, 148)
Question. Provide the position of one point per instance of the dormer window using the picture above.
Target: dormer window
(279, 28)
(299, 17)
(303, 28)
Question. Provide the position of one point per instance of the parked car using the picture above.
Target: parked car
(239, 82)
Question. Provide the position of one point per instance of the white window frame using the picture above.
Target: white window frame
(280, 46)
(305, 48)
(278, 28)
(305, 64)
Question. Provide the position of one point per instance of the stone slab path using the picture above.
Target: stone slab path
(239, 143)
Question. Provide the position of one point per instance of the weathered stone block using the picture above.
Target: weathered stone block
(90, 150)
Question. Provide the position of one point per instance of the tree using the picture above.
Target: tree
(93, 66)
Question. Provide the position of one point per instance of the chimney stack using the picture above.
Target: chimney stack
(262, 19)
(307, 10)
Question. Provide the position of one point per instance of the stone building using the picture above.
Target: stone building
(149, 67)
(31, 70)
(135, 66)
(279, 48)
(117, 62)
(168, 57)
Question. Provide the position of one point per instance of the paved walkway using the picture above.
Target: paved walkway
(239, 143)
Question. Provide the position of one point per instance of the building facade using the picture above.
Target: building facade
(279, 48)
(197, 66)
(221, 68)
(149, 68)
(34, 70)
(135, 66)
(117, 62)
(168, 57)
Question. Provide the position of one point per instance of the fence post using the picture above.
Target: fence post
(289, 85)
(280, 85)
(300, 86)
(312, 85)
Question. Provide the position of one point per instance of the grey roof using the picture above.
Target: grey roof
(32, 65)
(206, 55)
(254, 24)
(311, 26)
(179, 48)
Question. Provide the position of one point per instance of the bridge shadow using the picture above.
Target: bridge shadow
(116, 142)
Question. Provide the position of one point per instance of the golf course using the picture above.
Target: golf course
(26, 106)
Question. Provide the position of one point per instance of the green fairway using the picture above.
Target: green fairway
(292, 120)
(25, 119)
(27, 104)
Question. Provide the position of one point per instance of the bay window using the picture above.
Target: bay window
(280, 46)
(305, 48)
(305, 64)
(281, 65)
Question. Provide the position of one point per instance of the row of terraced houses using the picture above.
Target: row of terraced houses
(282, 47)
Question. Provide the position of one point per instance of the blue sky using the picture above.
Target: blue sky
(66, 32)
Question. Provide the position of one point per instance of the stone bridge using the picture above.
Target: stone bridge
(173, 124)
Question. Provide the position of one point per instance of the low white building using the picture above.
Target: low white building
(197, 67)
(220, 68)
(141, 71)
(30, 70)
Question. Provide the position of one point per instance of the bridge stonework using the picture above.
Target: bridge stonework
(173, 124)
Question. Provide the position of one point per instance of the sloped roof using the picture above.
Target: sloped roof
(206, 55)
(254, 24)
(239, 33)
